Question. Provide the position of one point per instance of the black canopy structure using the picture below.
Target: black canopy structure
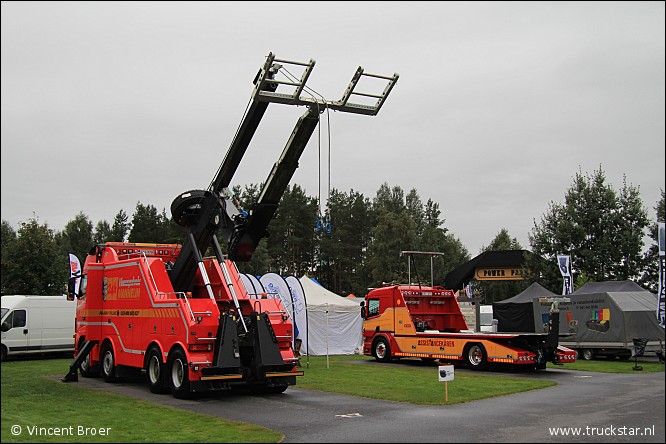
(517, 313)
(458, 277)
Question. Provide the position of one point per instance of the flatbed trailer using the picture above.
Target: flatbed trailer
(427, 323)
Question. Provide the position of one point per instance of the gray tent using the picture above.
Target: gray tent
(605, 314)
(612, 286)
(517, 313)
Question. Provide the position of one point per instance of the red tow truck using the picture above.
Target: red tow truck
(186, 320)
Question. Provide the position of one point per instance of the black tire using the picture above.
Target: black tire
(587, 354)
(3, 352)
(156, 371)
(476, 357)
(382, 350)
(87, 370)
(178, 374)
(185, 208)
(108, 363)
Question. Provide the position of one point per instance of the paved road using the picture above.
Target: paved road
(606, 405)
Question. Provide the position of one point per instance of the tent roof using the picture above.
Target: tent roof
(634, 300)
(533, 291)
(609, 286)
(457, 278)
(318, 296)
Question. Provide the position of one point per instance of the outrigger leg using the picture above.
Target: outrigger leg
(73, 376)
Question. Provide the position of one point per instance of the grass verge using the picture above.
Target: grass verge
(406, 381)
(612, 366)
(43, 408)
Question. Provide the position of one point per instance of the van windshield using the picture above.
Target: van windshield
(4, 312)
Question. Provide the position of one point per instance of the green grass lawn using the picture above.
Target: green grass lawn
(406, 381)
(612, 366)
(31, 398)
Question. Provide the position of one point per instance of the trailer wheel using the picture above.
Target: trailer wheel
(587, 354)
(179, 380)
(108, 363)
(382, 350)
(156, 371)
(476, 357)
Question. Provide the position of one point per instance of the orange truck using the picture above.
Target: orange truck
(185, 320)
(426, 322)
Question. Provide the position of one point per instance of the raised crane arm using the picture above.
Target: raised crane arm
(206, 212)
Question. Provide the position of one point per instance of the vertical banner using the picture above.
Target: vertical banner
(75, 271)
(564, 262)
(660, 296)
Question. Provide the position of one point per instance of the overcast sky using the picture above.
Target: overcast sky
(498, 105)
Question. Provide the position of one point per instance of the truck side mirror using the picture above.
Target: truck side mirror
(363, 310)
(71, 288)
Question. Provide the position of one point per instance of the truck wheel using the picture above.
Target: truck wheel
(108, 364)
(382, 350)
(587, 354)
(156, 371)
(476, 357)
(179, 380)
(87, 370)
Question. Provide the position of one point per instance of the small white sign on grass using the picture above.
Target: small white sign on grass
(445, 373)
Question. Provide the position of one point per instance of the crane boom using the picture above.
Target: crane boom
(207, 212)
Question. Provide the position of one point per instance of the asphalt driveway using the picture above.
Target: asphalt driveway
(598, 407)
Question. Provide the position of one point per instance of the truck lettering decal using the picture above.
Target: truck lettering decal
(144, 313)
(435, 343)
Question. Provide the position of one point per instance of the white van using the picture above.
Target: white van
(37, 324)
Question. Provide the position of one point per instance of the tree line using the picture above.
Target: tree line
(353, 243)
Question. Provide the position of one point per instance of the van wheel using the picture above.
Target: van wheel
(476, 357)
(155, 371)
(382, 350)
(178, 376)
(108, 364)
(587, 354)
(3, 353)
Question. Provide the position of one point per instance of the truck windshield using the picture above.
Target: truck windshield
(4, 312)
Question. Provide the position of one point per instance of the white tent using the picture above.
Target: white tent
(334, 325)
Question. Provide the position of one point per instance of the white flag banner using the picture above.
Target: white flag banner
(75, 271)
(660, 296)
(564, 262)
